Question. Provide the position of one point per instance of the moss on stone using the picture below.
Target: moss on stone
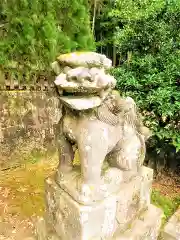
(76, 161)
(68, 55)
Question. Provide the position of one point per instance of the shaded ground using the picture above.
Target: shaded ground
(22, 193)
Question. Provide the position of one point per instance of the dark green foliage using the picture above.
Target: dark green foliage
(146, 37)
(33, 32)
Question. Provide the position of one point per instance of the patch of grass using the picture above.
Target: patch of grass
(168, 205)
(25, 187)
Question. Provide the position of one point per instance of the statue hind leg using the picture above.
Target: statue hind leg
(126, 153)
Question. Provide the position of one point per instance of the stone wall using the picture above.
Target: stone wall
(28, 121)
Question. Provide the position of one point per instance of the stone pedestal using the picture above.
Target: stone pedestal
(125, 214)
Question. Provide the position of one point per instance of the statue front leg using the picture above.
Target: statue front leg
(91, 163)
(92, 153)
(66, 152)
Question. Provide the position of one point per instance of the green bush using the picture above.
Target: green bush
(146, 38)
(33, 32)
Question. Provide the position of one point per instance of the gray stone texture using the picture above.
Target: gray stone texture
(171, 230)
(145, 227)
(84, 59)
(28, 123)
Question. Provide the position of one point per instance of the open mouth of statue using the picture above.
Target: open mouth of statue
(82, 87)
(79, 101)
(78, 94)
(83, 93)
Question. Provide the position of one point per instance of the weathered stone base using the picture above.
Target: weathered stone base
(146, 227)
(171, 230)
(72, 220)
(126, 214)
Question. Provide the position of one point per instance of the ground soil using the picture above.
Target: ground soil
(21, 198)
(13, 225)
(168, 184)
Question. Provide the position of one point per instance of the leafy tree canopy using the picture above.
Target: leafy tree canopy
(33, 32)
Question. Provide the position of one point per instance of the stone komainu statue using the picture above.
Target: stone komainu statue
(95, 119)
